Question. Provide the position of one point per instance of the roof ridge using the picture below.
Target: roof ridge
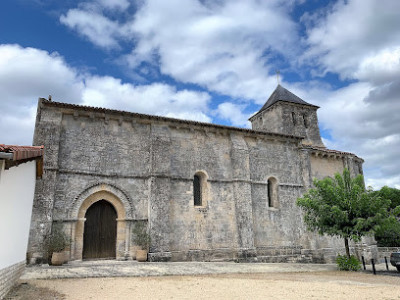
(101, 109)
(4, 147)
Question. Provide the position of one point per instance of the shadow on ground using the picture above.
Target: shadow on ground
(26, 291)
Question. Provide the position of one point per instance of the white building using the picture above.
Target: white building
(19, 167)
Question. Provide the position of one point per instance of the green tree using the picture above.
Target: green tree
(342, 207)
(392, 194)
(388, 235)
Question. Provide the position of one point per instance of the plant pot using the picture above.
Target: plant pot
(133, 250)
(58, 258)
(141, 255)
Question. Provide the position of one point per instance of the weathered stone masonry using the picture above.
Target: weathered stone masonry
(144, 166)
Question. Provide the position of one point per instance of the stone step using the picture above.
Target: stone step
(279, 251)
(285, 258)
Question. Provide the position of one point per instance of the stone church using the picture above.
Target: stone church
(206, 192)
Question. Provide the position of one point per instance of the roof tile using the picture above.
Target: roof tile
(282, 94)
(22, 152)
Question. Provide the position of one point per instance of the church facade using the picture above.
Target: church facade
(205, 192)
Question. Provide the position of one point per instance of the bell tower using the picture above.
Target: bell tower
(286, 113)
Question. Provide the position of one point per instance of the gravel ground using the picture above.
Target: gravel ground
(27, 291)
(299, 285)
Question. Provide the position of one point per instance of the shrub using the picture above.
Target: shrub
(141, 237)
(387, 235)
(58, 240)
(348, 264)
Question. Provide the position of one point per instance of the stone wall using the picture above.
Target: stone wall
(149, 163)
(9, 277)
(290, 118)
(385, 252)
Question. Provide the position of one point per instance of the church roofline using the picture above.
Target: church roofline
(281, 94)
(43, 101)
(330, 151)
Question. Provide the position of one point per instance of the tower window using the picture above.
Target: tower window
(305, 120)
(197, 190)
(294, 118)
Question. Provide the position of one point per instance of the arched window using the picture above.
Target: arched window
(200, 189)
(272, 192)
(197, 190)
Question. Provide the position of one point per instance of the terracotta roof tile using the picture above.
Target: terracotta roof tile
(22, 152)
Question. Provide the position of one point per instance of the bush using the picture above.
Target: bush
(58, 240)
(390, 238)
(348, 264)
(141, 237)
(388, 234)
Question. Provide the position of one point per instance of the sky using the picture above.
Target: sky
(211, 61)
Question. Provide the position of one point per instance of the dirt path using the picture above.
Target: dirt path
(316, 285)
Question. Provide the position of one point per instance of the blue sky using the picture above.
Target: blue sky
(211, 61)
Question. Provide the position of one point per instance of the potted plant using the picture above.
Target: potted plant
(142, 239)
(57, 242)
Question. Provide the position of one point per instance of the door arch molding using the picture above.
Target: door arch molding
(78, 202)
(100, 192)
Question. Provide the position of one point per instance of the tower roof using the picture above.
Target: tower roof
(282, 94)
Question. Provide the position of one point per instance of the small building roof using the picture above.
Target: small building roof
(282, 94)
(15, 153)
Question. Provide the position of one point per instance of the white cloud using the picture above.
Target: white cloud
(94, 26)
(114, 4)
(363, 119)
(25, 75)
(233, 113)
(213, 44)
(230, 47)
(28, 73)
(217, 46)
(381, 67)
(354, 34)
(24, 71)
(155, 99)
(360, 40)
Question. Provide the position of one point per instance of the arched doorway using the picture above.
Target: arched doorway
(100, 231)
(81, 205)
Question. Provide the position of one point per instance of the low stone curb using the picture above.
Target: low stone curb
(135, 269)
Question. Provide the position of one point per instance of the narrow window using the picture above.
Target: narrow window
(269, 193)
(197, 190)
(272, 191)
(294, 118)
(305, 121)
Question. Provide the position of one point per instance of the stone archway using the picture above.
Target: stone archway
(81, 205)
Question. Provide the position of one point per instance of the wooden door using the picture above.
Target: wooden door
(100, 232)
